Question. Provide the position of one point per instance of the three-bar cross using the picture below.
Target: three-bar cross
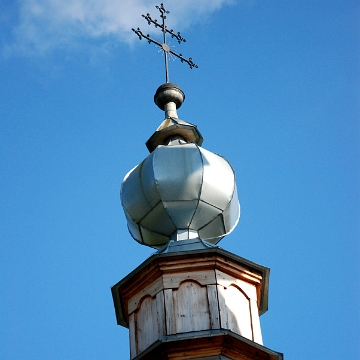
(164, 47)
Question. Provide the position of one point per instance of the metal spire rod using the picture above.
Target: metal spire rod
(164, 47)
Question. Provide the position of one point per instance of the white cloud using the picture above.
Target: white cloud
(44, 25)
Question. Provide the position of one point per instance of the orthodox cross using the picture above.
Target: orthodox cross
(165, 48)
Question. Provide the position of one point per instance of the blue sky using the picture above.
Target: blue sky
(276, 93)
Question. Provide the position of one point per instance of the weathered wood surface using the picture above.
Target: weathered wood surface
(151, 289)
(213, 306)
(180, 297)
(227, 280)
(132, 335)
(203, 277)
(255, 320)
(146, 324)
(235, 311)
(162, 273)
(191, 307)
(160, 312)
(170, 312)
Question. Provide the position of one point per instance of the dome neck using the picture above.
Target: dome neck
(169, 97)
(170, 110)
(184, 234)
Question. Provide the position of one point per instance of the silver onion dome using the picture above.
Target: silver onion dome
(180, 191)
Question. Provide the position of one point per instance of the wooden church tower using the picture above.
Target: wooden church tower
(191, 299)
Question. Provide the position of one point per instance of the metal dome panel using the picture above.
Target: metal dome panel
(219, 180)
(133, 228)
(181, 212)
(231, 214)
(132, 196)
(213, 231)
(148, 183)
(153, 239)
(158, 220)
(203, 215)
(178, 172)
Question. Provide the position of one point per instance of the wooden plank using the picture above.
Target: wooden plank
(193, 264)
(255, 320)
(191, 307)
(239, 311)
(132, 335)
(238, 271)
(169, 312)
(173, 280)
(226, 280)
(235, 311)
(222, 307)
(151, 289)
(136, 282)
(160, 309)
(146, 324)
(213, 306)
(231, 310)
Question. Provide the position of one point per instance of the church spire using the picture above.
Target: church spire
(191, 299)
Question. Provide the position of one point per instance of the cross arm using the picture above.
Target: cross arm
(182, 59)
(163, 27)
(139, 33)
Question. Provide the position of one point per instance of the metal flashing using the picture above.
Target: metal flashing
(188, 131)
(185, 245)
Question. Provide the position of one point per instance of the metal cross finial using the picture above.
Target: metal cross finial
(165, 48)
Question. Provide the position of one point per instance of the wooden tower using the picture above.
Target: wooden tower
(194, 302)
